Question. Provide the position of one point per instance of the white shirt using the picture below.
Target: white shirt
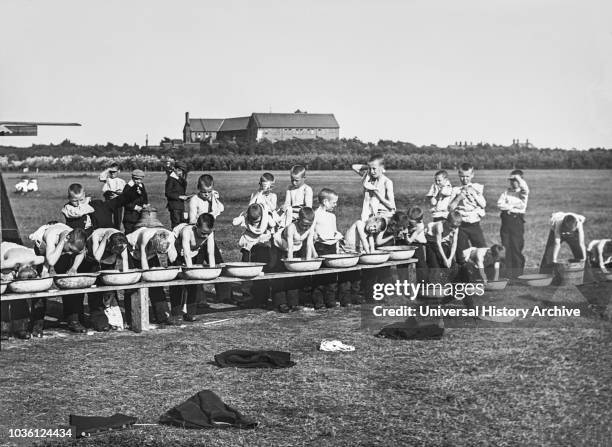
(470, 210)
(443, 199)
(198, 206)
(325, 229)
(514, 201)
(111, 184)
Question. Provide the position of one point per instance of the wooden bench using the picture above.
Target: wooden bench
(140, 301)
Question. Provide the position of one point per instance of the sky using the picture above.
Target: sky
(427, 72)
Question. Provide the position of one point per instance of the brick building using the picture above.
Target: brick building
(260, 126)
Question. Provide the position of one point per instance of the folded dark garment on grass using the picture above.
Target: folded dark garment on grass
(89, 425)
(205, 410)
(412, 329)
(254, 359)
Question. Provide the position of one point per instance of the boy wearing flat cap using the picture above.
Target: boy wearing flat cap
(176, 186)
(135, 199)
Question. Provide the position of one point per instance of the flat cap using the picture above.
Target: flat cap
(138, 173)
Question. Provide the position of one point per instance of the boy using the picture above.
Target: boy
(440, 196)
(64, 252)
(564, 227)
(206, 200)
(468, 200)
(513, 204)
(485, 261)
(106, 247)
(379, 198)
(14, 259)
(266, 197)
(77, 210)
(326, 238)
(255, 240)
(299, 194)
(112, 188)
(135, 200)
(195, 244)
(415, 235)
(295, 240)
(149, 242)
(600, 254)
(442, 244)
(176, 186)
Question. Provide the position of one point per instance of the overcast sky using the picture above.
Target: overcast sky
(419, 71)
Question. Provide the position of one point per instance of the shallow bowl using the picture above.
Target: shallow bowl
(537, 279)
(157, 274)
(202, 272)
(244, 270)
(30, 285)
(302, 264)
(77, 281)
(340, 260)
(499, 284)
(609, 276)
(400, 252)
(374, 258)
(119, 278)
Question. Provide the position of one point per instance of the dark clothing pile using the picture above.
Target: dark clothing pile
(87, 425)
(239, 358)
(205, 410)
(412, 329)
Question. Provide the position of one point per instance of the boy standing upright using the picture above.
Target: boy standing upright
(112, 188)
(513, 204)
(176, 186)
(135, 199)
(468, 200)
(379, 198)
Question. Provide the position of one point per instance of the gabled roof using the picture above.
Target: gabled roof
(205, 125)
(295, 120)
(233, 124)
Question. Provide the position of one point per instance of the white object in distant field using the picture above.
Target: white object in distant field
(32, 185)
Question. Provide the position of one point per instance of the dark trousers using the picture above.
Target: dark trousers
(325, 287)
(72, 304)
(436, 268)
(421, 265)
(117, 216)
(286, 291)
(130, 219)
(470, 235)
(15, 315)
(176, 217)
(97, 301)
(260, 290)
(547, 265)
(438, 219)
(156, 294)
(512, 235)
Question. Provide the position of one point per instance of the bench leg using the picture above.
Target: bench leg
(140, 310)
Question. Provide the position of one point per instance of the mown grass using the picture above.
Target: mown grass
(545, 384)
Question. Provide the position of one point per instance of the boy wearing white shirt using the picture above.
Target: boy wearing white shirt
(112, 188)
(439, 195)
(513, 204)
(468, 200)
(206, 200)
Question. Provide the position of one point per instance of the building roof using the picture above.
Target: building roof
(233, 124)
(296, 120)
(205, 125)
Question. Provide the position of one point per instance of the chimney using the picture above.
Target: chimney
(186, 117)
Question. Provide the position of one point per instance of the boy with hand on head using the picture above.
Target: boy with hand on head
(136, 199)
(379, 198)
(64, 251)
(299, 194)
(513, 204)
(195, 244)
(77, 210)
(468, 200)
(439, 195)
(266, 197)
(295, 240)
(176, 186)
(206, 200)
(326, 237)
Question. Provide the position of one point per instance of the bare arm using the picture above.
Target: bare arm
(308, 197)
(496, 275)
(557, 245)
(193, 211)
(78, 260)
(124, 260)
(143, 240)
(210, 246)
(290, 234)
(186, 236)
(581, 239)
(449, 261)
(53, 252)
(359, 168)
(98, 246)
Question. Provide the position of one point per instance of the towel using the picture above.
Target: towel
(205, 410)
(253, 359)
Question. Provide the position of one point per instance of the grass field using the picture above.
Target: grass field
(583, 191)
(547, 384)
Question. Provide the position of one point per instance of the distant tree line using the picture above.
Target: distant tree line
(316, 154)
